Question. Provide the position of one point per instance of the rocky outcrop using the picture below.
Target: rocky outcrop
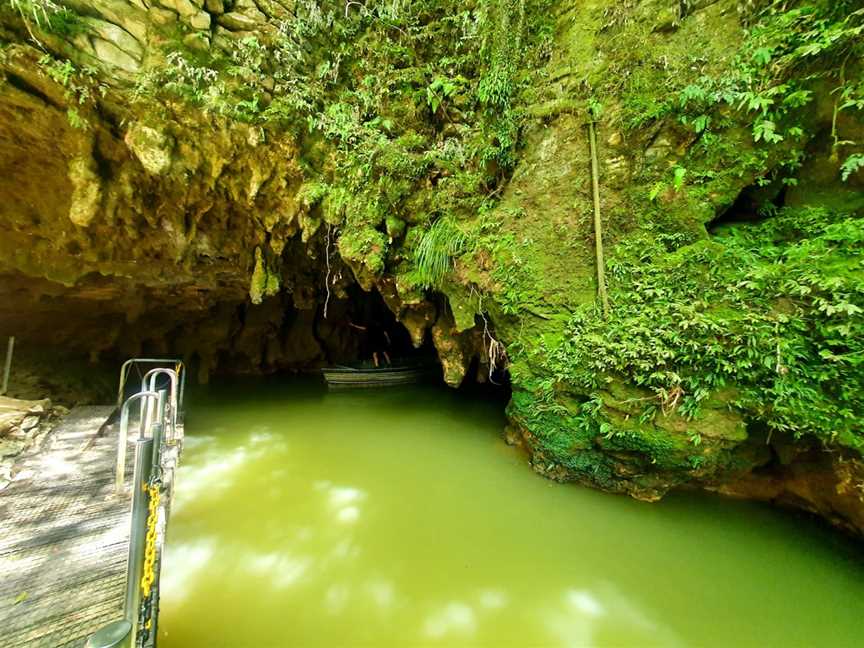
(23, 423)
(153, 220)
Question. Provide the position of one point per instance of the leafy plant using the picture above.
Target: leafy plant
(442, 89)
(81, 86)
(853, 164)
(49, 16)
(774, 311)
(433, 256)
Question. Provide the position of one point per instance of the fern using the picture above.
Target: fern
(434, 253)
(852, 164)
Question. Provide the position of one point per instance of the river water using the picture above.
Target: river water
(401, 518)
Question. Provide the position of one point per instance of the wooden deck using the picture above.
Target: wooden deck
(64, 537)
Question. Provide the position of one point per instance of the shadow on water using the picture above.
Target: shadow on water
(400, 518)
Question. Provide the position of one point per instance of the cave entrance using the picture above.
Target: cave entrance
(293, 333)
(361, 328)
(753, 205)
(220, 332)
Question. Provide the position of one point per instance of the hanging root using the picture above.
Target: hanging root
(497, 356)
(669, 400)
(495, 350)
(327, 278)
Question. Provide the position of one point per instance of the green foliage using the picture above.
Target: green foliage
(777, 74)
(773, 310)
(312, 193)
(441, 89)
(408, 110)
(434, 253)
(853, 164)
(678, 175)
(82, 87)
(76, 120)
(61, 72)
(793, 58)
(50, 17)
(366, 246)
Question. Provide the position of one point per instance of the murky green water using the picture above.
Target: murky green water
(401, 518)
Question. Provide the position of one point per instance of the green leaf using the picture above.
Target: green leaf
(852, 165)
(701, 123)
(678, 179)
(766, 130)
(762, 56)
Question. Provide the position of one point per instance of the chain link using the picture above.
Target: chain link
(149, 572)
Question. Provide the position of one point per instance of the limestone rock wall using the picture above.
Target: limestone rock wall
(147, 225)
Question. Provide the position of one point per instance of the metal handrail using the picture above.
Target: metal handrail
(120, 470)
(179, 368)
(146, 484)
(144, 465)
(152, 376)
(7, 364)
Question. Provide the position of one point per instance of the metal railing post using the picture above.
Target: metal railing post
(7, 367)
(160, 424)
(157, 432)
(123, 370)
(120, 469)
(152, 376)
(179, 369)
(138, 535)
(114, 635)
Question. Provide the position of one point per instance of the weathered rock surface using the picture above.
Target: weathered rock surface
(22, 424)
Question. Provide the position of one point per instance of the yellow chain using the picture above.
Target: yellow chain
(149, 574)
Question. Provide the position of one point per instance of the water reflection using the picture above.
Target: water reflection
(454, 620)
(185, 562)
(594, 617)
(402, 519)
(382, 593)
(493, 599)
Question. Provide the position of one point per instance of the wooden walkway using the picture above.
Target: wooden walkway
(64, 537)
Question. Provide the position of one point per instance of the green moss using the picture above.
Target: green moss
(365, 246)
(690, 322)
(263, 283)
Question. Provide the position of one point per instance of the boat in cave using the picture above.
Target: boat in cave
(368, 376)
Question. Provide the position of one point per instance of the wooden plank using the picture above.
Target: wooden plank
(63, 537)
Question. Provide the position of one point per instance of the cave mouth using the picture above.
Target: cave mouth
(368, 328)
(355, 328)
(753, 204)
(72, 340)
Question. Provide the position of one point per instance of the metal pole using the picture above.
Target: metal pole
(182, 368)
(598, 228)
(148, 383)
(123, 371)
(120, 468)
(8, 367)
(114, 635)
(138, 534)
(157, 431)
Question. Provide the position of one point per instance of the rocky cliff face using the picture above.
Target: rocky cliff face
(212, 177)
